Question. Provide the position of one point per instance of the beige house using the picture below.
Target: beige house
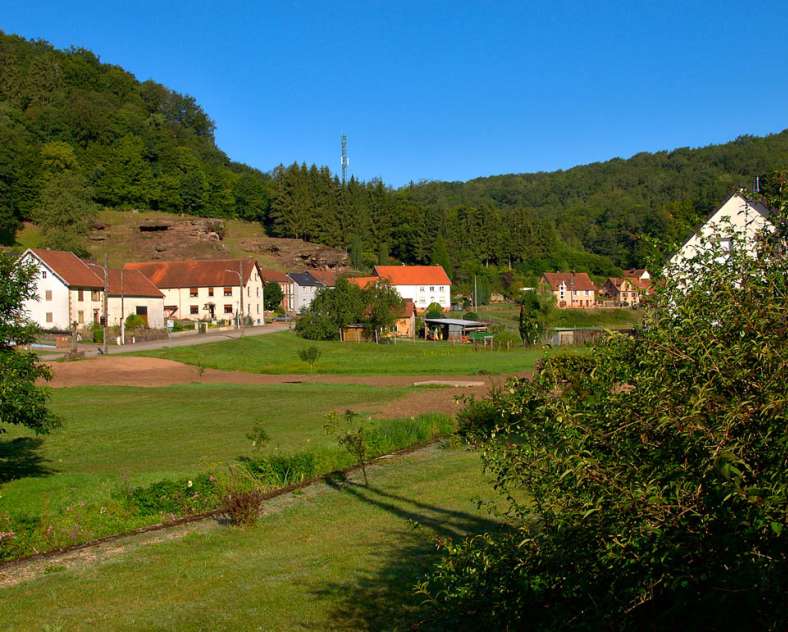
(622, 291)
(572, 290)
(210, 290)
(131, 292)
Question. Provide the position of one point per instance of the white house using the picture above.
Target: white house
(131, 292)
(68, 290)
(207, 289)
(737, 215)
(423, 285)
(304, 289)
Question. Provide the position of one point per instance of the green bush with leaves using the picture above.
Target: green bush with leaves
(646, 483)
(135, 321)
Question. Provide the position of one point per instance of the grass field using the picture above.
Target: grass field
(278, 353)
(338, 559)
(63, 488)
(508, 315)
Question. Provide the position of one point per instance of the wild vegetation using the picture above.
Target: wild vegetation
(647, 480)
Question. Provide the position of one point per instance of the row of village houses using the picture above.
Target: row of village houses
(71, 291)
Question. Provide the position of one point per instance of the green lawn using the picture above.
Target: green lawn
(508, 315)
(341, 559)
(278, 353)
(114, 435)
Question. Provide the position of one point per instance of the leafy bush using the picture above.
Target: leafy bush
(310, 355)
(181, 496)
(134, 321)
(654, 469)
(434, 310)
(241, 507)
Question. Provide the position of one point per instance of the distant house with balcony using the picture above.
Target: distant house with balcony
(572, 290)
(423, 285)
(212, 289)
(622, 291)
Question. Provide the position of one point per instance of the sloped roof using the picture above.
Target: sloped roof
(274, 276)
(635, 273)
(326, 277)
(413, 275)
(572, 280)
(305, 279)
(194, 273)
(71, 269)
(364, 281)
(407, 309)
(128, 283)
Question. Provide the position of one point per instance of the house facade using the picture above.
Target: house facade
(622, 291)
(131, 292)
(68, 291)
(423, 285)
(572, 290)
(304, 289)
(210, 290)
(737, 214)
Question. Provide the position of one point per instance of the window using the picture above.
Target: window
(95, 295)
(48, 295)
(421, 289)
(49, 317)
(432, 289)
(248, 291)
(43, 274)
(228, 309)
(80, 317)
(194, 309)
(80, 295)
(228, 291)
(257, 292)
(210, 291)
(193, 291)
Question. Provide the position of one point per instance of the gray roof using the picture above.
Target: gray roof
(304, 279)
(460, 322)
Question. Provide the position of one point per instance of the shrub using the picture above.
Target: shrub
(280, 470)
(654, 468)
(182, 496)
(241, 507)
(310, 355)
(470, 316)
(434, 310)
(134, 321)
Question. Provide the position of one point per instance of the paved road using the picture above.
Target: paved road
(91, 349)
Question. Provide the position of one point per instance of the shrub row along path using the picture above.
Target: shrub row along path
(153, 372)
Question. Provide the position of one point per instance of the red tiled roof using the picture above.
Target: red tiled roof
(364, 281)
(326, 277)
(129, 283)
(572, 280)
(69, 267)
(274, 276)
(407, 310)
(635, 272)
(413, 275)
(194, 273)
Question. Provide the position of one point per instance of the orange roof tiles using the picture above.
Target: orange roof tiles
(363, 281)
(194, 273)
(69, 267)
(274, 276)
(326, 277)
(413, 275)
(127, 283)
(572, 280)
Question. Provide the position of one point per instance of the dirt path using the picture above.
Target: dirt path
(141, 371)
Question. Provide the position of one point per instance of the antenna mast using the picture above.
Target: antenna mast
(343, 159)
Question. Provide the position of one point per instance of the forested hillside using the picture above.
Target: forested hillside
(77, 135)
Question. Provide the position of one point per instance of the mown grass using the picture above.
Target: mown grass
(278, 354)
(63, 488)
(342, 559)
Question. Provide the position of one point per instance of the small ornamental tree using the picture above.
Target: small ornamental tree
(646, 482)
(535, 311)
(22, 401)
(350, 437)
(310, 355)
(273, 295)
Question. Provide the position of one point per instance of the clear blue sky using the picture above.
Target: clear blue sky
(445, 90)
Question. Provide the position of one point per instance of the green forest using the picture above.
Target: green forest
(77, 135)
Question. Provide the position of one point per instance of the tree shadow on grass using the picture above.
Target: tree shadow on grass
(21, 458)
(384, 598)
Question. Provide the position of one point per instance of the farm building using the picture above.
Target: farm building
(457, 329)
(212, 289)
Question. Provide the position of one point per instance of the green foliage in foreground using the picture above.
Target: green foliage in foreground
(655, 466)
(278, 354)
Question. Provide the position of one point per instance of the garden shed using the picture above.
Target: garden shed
(457, 329)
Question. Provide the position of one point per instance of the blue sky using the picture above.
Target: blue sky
(445, 90)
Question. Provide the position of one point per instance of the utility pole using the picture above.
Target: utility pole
(106, 300)
(122, 311)
(343, 159)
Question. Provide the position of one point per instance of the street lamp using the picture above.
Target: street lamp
(241, 290)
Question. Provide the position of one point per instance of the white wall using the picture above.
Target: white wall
(423, 295)
(92, 302)
(303, 295)
(130, 303)
(38, 309)
(253, 301)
